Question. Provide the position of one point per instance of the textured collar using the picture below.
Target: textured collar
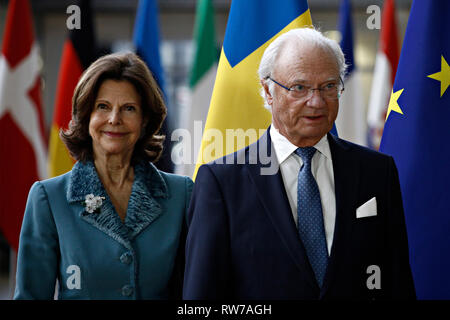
(143, 207)
(84, 180)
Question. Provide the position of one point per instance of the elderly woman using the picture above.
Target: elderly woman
(114, 226)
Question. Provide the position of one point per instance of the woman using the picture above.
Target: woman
(113, 227)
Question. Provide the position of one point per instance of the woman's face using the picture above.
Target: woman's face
(117, 120)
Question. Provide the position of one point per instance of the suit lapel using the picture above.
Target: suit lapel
(345, 170)
(271, 192)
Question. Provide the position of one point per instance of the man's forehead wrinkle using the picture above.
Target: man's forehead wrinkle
(294, 67)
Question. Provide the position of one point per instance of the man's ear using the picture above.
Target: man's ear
(265, 86)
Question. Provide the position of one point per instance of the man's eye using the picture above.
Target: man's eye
(298, 87)
(330, 86)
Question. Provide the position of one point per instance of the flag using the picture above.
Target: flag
(417, 135)
(78, 54)
(22, 131)
(202, 76)
(236, 103)
(351, 119)
(384, 74)
(146, 41)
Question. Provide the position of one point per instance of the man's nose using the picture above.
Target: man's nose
(315, 98)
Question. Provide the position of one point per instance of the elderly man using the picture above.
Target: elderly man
(328, 224)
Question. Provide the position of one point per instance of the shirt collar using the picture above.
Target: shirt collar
(284, 148)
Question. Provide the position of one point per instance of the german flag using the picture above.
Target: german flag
(78, 53)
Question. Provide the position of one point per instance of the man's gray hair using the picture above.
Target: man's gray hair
(305, 36)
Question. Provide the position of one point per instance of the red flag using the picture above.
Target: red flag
(22, 132)
(384, 74)
(78, 54)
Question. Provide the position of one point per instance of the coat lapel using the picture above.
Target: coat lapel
(346, 179)
(271, 192)
(142, 209)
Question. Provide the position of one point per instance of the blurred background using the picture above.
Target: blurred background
(114, 24)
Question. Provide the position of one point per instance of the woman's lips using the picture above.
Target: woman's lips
(114, 134)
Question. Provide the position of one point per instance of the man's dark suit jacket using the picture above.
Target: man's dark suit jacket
(243, 242)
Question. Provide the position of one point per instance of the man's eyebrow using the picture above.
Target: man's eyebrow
(301, 81)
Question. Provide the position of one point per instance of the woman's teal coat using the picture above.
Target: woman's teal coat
(96, 255)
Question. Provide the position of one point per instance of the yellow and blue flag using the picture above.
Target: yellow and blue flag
(236, 103)
(417, 135)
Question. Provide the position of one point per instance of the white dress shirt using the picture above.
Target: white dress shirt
(322, 170)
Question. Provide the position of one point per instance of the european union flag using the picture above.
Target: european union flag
(417, 135)
(146, 40)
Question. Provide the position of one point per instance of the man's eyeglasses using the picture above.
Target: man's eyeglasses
(330, 90)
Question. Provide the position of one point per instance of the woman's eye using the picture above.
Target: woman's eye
(130, 108)
(102, 106)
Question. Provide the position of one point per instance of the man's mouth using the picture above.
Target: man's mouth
(314, 118)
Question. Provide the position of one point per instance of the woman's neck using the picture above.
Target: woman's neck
(114, 171)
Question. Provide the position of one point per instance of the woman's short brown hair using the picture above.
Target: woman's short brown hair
(118, 66)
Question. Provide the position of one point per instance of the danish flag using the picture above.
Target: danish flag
(22, 132)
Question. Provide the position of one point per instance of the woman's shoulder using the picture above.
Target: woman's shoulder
(50, 187)
(167, 182)
(166, 176)
(174, 177)
(177, 181)
(56, 181)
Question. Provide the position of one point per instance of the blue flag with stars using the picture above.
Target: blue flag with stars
(417, 135)
(146, 40)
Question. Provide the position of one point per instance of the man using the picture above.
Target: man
(328, 224)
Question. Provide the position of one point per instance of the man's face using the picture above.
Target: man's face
(304, 121)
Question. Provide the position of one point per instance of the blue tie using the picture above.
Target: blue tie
(310, 218)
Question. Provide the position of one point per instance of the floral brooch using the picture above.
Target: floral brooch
(93, 203)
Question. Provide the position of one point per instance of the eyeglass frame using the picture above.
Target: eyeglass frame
(309, 89)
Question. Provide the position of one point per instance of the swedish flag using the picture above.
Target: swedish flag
(236, 102)
(417, 135)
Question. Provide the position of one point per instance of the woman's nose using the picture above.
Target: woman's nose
(114, 117)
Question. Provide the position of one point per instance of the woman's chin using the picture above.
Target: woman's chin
(113, 152)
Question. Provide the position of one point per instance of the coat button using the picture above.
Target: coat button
(126, 258)
(127, 290)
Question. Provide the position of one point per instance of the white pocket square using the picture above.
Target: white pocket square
(368, 209)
